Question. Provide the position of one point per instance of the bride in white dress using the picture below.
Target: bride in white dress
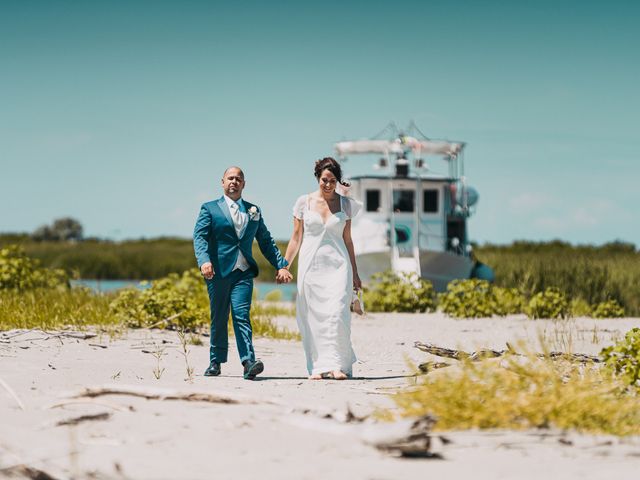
(327, 273)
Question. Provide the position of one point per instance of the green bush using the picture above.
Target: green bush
(174, 301)
(181, 301)
(467, 299)
(398, 292)
(551, 303)
(580, 308)
(17, 271)
(623, 358)
(608, 309)
(508, 301)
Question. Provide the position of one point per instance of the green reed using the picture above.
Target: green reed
(592, 274)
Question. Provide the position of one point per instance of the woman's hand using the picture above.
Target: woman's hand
(357, 284)
(283, 276)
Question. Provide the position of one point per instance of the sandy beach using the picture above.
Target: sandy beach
(273, 428)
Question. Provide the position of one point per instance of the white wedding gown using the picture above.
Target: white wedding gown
(325, 286)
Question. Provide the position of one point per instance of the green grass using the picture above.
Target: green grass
(80, 308)
(524, 394)
(587, 273)
(77, 308)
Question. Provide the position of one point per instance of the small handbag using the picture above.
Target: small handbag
(357, 305)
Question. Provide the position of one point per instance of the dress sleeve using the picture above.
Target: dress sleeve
(352, 207)
(299, 207)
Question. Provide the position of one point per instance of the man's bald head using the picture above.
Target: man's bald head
(238, 171)
(233, 182)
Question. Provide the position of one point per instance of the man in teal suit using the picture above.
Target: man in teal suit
(222, 241)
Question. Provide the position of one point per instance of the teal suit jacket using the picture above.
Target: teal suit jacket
(215, 239)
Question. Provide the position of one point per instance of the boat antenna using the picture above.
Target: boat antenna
(413, 126)
(390, 128)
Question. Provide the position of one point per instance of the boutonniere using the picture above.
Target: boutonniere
(254, 214)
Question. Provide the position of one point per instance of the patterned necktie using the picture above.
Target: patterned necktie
(239, 220)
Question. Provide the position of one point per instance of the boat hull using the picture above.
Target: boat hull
(437, 267)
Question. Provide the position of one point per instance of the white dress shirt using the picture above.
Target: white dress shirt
(240, 221)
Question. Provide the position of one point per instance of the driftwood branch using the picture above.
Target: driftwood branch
(77, 335)
(91, 401)
(164, 394)
(488, 353)
(83, 418)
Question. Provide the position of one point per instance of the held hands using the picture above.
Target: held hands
(207, 270)
(283, 276)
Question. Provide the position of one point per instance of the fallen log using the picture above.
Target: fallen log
(489, 353)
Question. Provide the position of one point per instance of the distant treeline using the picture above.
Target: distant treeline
(593, 273)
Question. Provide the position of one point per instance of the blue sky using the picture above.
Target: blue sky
(124, 114)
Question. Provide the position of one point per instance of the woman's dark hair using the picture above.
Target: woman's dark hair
(328, 163)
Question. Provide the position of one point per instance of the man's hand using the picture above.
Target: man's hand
(283, 276)
(207, 270)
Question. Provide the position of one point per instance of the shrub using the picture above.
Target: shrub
(508, 301)
(17, 271)
(471, 298)
(181, 301)
(623, 358)
(398, 292)
(579, 308)
(608, 309)
(551, 303)
(174, 301)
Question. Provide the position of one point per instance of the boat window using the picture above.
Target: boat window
(430, 203)
(403, 200)
(373, 200)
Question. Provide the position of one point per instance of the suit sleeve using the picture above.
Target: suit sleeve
(201, 236)
(268, 246)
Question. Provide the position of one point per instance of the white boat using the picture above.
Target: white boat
(427, 211)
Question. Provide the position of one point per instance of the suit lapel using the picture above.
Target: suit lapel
(224, 208)
(247, 207)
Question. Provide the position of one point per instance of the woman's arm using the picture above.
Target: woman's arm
(346, 235)
(294, 243)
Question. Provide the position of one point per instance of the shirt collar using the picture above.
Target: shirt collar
(231, 201)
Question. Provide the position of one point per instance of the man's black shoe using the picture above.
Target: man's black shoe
(213, 370)
(252, 368)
